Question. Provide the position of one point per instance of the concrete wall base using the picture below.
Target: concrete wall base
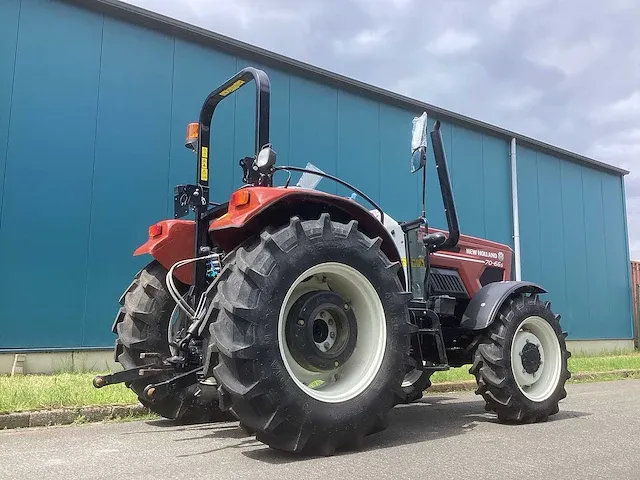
(102, 360)
(58, 362)
(599, 346)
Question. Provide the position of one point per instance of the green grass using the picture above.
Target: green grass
(32, 392)
(577, 363)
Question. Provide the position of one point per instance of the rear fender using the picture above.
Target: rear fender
(484, 306)
(269, 206)
(175, 242)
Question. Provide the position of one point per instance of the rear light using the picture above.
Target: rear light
(240, 198)
(155, 230)
(192, 136)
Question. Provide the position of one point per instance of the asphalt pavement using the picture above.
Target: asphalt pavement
(595, 435)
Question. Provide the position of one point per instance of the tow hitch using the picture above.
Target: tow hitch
(153, 391)
(127, 376)
(158, 390)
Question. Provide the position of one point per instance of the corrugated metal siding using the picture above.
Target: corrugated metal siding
(573, 243)
(109, 103)
(635, 289)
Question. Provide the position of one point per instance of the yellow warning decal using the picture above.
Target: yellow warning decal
(232, 88)
(204, 164)
(417, 262)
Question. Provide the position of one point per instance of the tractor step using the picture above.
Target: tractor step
(428, 322)
(436, 368)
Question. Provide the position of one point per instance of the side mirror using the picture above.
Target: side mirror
(419, 143)
(418, 159)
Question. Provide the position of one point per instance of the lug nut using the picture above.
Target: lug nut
(346, 306)
(336, 364)
(332, 334)
(322, 314)
(301, 322)
(326, 345)
(330, 321)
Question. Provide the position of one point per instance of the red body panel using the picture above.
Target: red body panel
(240, 222)
(175, 243)
(259, 199)
(474, 255)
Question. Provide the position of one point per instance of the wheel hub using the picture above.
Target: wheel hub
(531, 359)
(321, 330)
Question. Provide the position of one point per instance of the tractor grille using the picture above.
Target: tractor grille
(446, 282)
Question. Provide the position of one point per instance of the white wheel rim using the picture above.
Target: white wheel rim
(539, 385)
(351, 379)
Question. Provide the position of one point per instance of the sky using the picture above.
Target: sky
(564, 72)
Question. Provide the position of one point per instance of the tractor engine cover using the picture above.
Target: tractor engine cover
(321, 330)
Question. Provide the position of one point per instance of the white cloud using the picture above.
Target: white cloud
(625, 109)
(383, 8)
(623, 155)
(363, 42)
(520, 100)
(453, 42)
(424, 87)
(504, 13)
(247, 13)
(570, 59)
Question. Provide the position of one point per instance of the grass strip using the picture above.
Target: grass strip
(35, 392)
(32, 392)
(577, 364)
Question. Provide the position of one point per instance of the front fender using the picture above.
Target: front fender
(484, 305)
(175, 242)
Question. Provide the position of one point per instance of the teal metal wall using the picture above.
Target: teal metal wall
(93, 113)
(574, 242)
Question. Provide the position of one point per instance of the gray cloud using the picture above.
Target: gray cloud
(567, 73)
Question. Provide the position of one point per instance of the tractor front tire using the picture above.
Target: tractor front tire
(312, 331)
(141, 326)
(415, 383)
(520, 363)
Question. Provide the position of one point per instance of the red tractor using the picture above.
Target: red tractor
(307, 316)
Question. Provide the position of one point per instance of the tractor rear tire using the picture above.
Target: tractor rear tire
(141, 326)
(260, 374)
(520, 363)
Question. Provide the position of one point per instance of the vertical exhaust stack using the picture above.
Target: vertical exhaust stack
(445, 188)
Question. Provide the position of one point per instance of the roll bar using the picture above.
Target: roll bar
(263, 93)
